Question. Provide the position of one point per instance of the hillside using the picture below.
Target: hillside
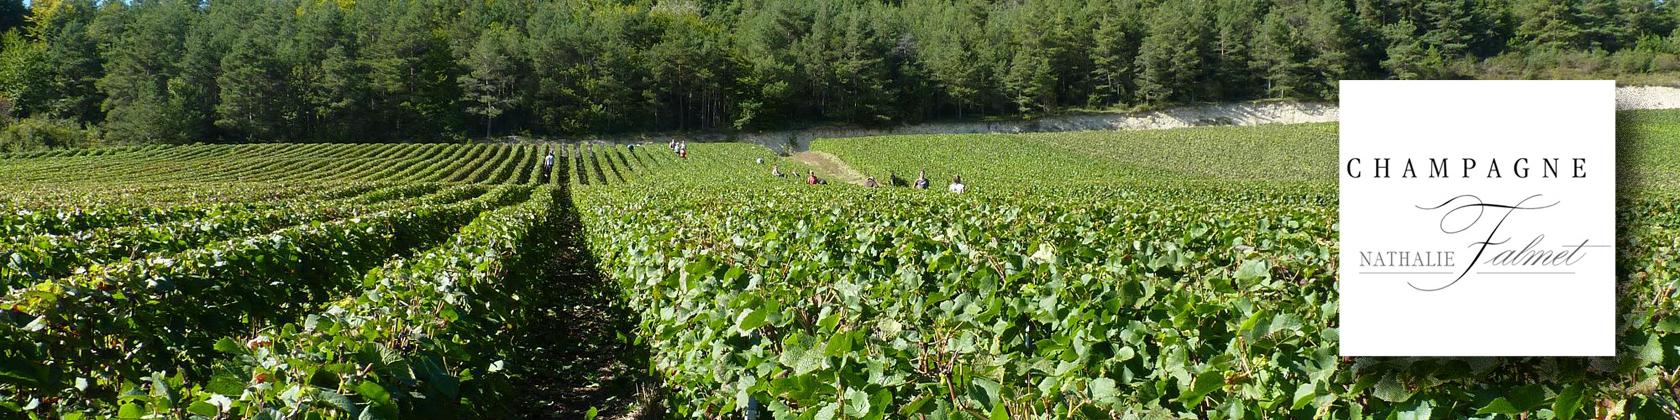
(1184, 272)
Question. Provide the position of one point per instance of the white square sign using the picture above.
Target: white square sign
(1478, 218)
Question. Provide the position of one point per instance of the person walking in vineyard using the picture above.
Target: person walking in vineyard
(870, 183)
(548, 164)
(921, 180)
(776, 171)
(957, 186)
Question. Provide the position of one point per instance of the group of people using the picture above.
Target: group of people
(956, 187)
(810, 176)
(921, 183)
(680, 148)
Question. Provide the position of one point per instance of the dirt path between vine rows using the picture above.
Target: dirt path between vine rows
(578, 354)
(829, 165)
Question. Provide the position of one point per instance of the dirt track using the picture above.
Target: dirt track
(829, 166)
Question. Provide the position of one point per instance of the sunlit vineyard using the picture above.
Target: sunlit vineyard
(1286, 153)
(277, 280)
(1177, 273)
(1157, 274)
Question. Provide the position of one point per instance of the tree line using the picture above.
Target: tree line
(173, 71)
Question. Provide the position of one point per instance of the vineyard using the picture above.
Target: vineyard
(1159, 274)
(1176, 273)
(281, 280)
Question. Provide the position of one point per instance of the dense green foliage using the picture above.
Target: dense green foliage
(173, 71)
(1094, 274)
(44, 133)
(272, 280)
(1136, 283)
(1272, 153)
(1646, 146)
(492, 163)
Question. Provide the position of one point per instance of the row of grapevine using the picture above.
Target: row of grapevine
(273, 280)
(65, 212)
(49, 256)
(133, 284)
(284, 163)
(1179, 273)
(421, 336)
(611, 164)
(1153, 288)
(113, 323)
(79, 152)
(436, 324)
(1282, 153)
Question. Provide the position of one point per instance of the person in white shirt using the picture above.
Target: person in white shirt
(957, 185)
(548, 163)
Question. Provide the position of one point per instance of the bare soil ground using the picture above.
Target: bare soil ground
(829, 166)
(581, 355)
(1647, 97)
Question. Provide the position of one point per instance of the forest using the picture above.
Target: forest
(83, 72)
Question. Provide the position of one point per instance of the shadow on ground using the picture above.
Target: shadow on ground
(579, 352)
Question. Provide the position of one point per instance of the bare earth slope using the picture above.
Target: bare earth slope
(830, 166)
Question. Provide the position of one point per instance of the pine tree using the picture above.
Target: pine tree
(488, 87)
(140, 104)
(1030, 78)
(1548, 25)
(1236, 24)
(949, 44)
(251, 87)
(1601, 24)
(1111, 61)
(1409, 58)
(1170, 61)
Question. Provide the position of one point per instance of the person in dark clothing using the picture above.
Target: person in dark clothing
(921, 180)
